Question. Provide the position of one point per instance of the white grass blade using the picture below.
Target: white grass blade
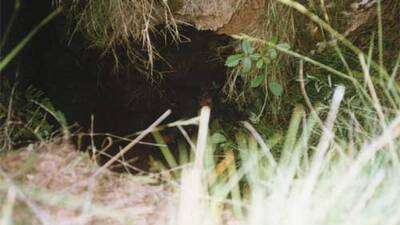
(192, 207)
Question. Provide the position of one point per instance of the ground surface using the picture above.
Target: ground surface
(53, 185)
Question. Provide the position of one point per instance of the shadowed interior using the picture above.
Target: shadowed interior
(87, 86)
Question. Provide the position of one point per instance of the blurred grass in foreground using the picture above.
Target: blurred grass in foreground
(338, 163)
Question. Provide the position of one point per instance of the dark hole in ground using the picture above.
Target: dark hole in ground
(193, 75)
(83, 83)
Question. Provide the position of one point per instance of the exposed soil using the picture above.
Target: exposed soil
(223, 16)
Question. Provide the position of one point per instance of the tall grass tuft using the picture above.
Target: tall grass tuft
(318, 178)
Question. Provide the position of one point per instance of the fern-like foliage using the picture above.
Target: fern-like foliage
(26, 115)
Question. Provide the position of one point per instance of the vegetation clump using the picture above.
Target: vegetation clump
(319, 144)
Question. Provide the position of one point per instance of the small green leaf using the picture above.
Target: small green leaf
(260, 63)
(255, 56)
(275, 88)
(272, 53)
(284, 46)
(257, 81)
(218, 138)
(246, 65)
(246, 47)
(233, 60)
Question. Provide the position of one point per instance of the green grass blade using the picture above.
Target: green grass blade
(10, 56)
(169, 157)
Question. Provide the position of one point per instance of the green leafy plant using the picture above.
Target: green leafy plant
(25, 116)
(255, 63)
(244, 58)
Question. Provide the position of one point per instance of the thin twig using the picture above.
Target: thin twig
(303, 87)
(133, 143)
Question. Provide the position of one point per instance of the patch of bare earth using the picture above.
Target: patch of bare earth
(223, 16)
(54, 185)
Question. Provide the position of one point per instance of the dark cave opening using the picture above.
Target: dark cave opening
(193, 75)
(83, 83)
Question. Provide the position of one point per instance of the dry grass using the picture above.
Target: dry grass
(52, 185)
(127, 24)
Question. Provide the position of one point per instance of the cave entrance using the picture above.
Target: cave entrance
(83, 83)
(193, 74)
